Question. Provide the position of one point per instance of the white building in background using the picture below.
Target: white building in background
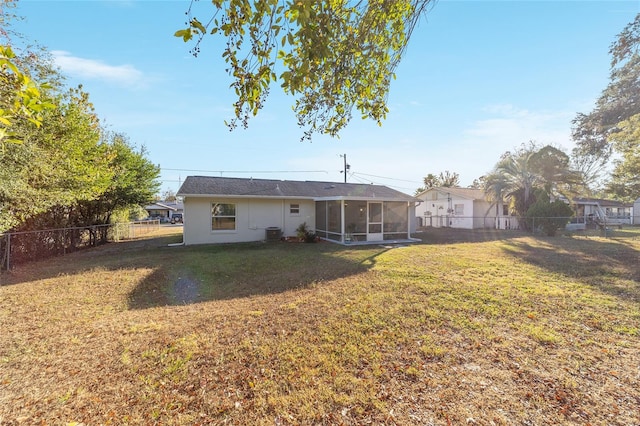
(465, 208)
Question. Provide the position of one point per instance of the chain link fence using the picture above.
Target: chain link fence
(536, 225)
(27, 246)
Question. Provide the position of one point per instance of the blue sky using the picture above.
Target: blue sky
(479, 78)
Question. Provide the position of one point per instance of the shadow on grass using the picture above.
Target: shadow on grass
(139, 253)
(185, 275)
(197, 274)
(609, 265)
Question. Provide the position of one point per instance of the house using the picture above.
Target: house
(230, 210)
(599, 212)
(164, 209)
(462, 208)
(636, 212)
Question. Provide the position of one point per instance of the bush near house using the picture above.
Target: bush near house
(304, 234)
(548, 216)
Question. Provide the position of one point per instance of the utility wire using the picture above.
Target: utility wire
(383, 177)
(244, 171)
(368, 181)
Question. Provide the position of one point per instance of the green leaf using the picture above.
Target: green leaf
(198, 26)
(185, 34)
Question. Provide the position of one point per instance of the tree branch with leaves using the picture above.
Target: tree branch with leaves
(21, 98)
(331, 55)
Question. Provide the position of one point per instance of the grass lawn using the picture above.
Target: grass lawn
(467, 328)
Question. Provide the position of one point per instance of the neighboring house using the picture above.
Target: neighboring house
(164, 209)
(599, 212)
(462, 208)
(636, 212)
(229, 210)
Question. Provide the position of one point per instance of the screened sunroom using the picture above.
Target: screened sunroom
(354, 221)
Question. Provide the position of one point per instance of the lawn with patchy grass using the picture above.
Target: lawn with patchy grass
(466, 328)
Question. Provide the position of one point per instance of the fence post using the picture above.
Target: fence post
(8, 252)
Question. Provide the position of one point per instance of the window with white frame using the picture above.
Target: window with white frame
(223, 217)
(294, 209)
(458, 209)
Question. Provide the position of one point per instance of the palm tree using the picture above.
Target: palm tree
(518, 175)
(495, 185)
(518, 171)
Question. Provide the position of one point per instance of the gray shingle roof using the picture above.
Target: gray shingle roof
(242, 187)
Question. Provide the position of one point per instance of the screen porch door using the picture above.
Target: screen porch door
(374, 225)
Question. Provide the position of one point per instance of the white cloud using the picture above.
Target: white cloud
(122, 75)
(510, 126)
(504, 129)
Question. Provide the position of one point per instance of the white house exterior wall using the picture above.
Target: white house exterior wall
(482, 217)
(636, 212)
(476, 213)
(434, 213)
(253, 217)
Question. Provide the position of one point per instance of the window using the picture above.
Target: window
(458, 209)
(294, 209)
(223, 217)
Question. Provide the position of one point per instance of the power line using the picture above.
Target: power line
(383, 177)
(244, 171)
(399, 188)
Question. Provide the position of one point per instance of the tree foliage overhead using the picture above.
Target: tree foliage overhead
(331, 55)
(21, 97)
(598, 134)
(20, 92)
(620, 100)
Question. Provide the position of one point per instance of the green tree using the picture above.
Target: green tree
(58, 163)
(444, 179)
(517, 170)
(135, 182)
(549, 216)
(20, 98)
(448, 179)
(495, 186)
(596, 133)
(625, 177)
(332, 56)
(555, 172)
(522, 176)
(20, 91)
(478, 183)
(591, 169)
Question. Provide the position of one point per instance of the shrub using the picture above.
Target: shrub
(303, 233)
(548, 216)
